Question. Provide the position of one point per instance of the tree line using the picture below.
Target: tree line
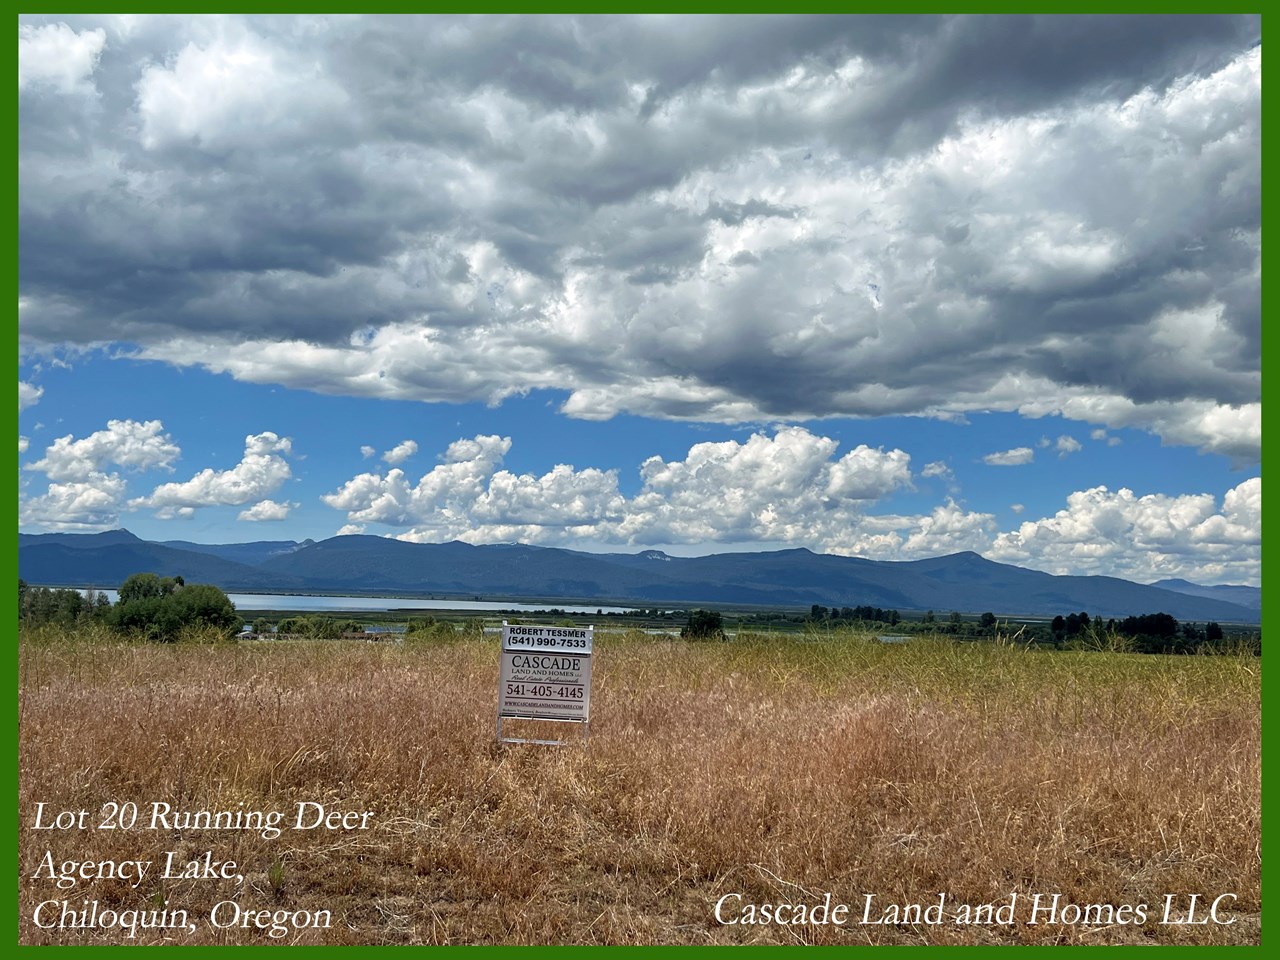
(1148, 633)
(818, 613)
(164, 608)
(149, 606)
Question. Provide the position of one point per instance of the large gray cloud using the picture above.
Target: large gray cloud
(692, 217)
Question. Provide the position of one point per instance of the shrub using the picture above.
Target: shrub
(703, 625)
(437, 631)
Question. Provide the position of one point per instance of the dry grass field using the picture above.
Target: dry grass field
(781, 770)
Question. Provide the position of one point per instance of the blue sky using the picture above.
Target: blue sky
(654, 282)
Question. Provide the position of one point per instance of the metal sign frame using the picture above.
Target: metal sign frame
(550, 660)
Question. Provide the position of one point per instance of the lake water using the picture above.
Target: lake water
(316, 604)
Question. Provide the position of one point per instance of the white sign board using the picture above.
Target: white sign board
(546, 673)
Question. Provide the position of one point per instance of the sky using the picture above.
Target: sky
(869, 285)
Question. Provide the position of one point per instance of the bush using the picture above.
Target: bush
(437, 631)
(203, 633)
(703, 625)
(317, 628)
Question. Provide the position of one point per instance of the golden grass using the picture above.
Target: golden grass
(778, 769)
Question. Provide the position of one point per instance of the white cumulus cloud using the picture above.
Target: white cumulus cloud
(260, 472)
(791, 487)
(950, 529)
(78, 506)
(1010, 458)
(124, 443)
(400, 452)
(795, 488)
(1066, 444)
(785, 488)
(83, 494)
(1145, 538)
(267, 510)
(28, 395)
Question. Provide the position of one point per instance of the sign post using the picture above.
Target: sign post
(545, 675)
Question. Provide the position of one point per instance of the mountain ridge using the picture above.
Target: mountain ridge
(790, 577)
(1250, 597)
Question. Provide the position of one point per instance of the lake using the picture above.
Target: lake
(321, 604)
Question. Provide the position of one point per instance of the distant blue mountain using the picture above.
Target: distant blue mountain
(59, 563)
(781, 578)
(1250, 597)
(253, 553)
(80, 541)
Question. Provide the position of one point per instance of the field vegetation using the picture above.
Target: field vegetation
(780, 768)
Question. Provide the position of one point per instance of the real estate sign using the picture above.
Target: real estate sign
(546, 673)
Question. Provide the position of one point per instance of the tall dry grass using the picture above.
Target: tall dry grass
(779, 769)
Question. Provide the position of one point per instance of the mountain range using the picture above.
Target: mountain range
(783, 578)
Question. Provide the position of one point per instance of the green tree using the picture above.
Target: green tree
(204, 605)
(64, 607)
(295, 626)
(150, 617)
(141, 586)
(160, 609)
